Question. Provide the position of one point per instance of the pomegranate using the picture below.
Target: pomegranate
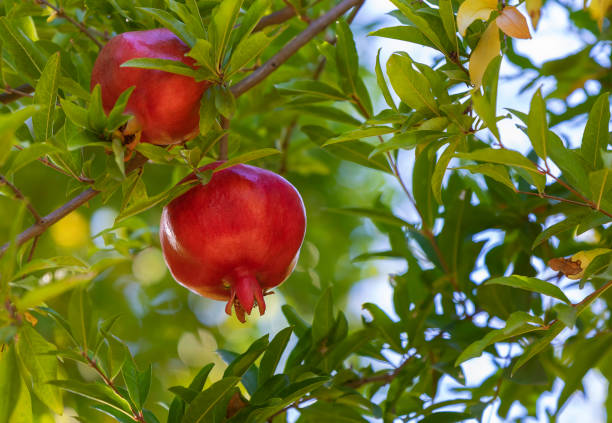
(165, 105)
(236, 237)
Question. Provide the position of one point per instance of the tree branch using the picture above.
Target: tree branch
(240, 88)
(275, 18)
(60, 12)
(14, 94)
(292, 46)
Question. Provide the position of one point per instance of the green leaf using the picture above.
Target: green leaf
(508, 158)
(323, 318)
(328, 113)
(247, 157)
(9, 258)
(409, 84)
(601, 185)
(447, 15)
(225, 102)
(518, 324)
(31, 351)
(138, 382)
(327, 412)
(96, 118)
(44, 293)
(76, 114)
(355, 134)
(208, 112)
(28, 155)
(423, 170)
(566, 313)
(71, 262)
(45, 96)
(9, 123)
(80, 317)
(241, 364)
(202, 53)
(441, 165)
(382, 83)
(408, 140)
(530, 284)
(247, 50)
(496, 172)
(119, 154)
(376, 215)
(251, 18)
(486, 110)
(387, 327)
(596, 135)
(403, 33)
(273, 354)
(347, 60)
(29, 59)
(537, 128)
(447, 417)
(311, 88)
(572, 164)
(166, 65)
(222, 22)
(16, 404)
(116, 118)
(201, 408)
(96, 391)
(419, 22)
(167, 20)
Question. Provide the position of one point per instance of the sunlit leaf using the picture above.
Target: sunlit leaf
(470, 10)
(513, 23)
(487, 49)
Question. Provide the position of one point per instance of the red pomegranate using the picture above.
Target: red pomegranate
(165, 105)
(235, 237)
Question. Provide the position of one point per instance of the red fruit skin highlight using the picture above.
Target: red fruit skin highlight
(235, 237)
(165, 105)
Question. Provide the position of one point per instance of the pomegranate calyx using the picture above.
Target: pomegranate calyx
(245, 293)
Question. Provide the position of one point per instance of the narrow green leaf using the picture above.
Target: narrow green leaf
(45, 96)
(601, 185)
(246, 51)
(96, 118)
(419, 22)
(28, 155)
(423, 170)
(138, 382)
(44, 293)
(16, 405)
(447, 15)
(382, 84)
(387, 327)
(311, 88)
(9, 123)
(376, 215)
(273, 354)
(440, 169)
(361, 133)
(247, 157)
(347, 60)
(323, 319)
(251, 18)
(96, 391)
(28, 57)
(241, 364)
(167, 20)
(408, 140)
(208, 112)
(201, 408)
(596, 135)
(530, 284)
(496, 172)
(225, 102)
(31, 351)
(409, 84)
(116, 118)
(166, 65)
(222, 22)
(537, 128)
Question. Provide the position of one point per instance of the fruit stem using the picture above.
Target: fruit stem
(245, 293)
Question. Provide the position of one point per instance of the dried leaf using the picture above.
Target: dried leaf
(513, 23)
(487, 49)
(565, 266)
(470, 10)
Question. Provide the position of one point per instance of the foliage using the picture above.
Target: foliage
(94, 324)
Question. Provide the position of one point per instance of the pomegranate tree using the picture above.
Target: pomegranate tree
(165, 105)
(236, 237)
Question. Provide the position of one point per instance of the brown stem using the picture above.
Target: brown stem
(225, 124)
(291, 47)
(60, 12)
(589, 204)
(13, 94)
(385, 378)
(275, 18)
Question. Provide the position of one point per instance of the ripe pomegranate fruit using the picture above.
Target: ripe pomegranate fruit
(165, 105)
(235, 237)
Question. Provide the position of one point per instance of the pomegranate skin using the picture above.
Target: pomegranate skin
(235, 237)
(165, 106)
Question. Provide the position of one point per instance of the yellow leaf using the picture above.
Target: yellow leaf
(487, 49)
(470, 10)
(598, 10)
(533, 10)
(513, 23)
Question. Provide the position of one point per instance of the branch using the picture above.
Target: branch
(14, 94)
(60, 12)
(292, 47)
(240, 88)
(275, 18)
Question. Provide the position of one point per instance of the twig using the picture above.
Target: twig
(275, 18)
(589, 204)
(55, 167)
(291, 47)
(386, 377)
(296, 12)
(60, 12)
(13, 94)
(240, 88)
